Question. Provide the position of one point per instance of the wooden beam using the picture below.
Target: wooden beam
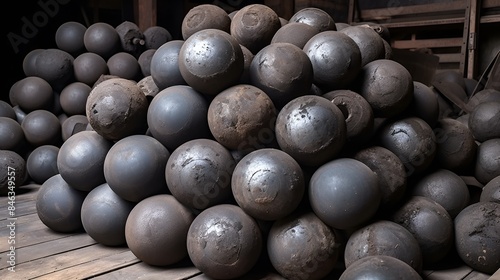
(427, 43)
(284, 8)
(404, 24)
(386, 13)
(475, 10)
(145, 13)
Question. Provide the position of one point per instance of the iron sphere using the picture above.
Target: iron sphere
(384, 238)
(210, 61)
(316, 18)
(56, 67)
(74, 97)
(268, 184)
(104, 215)
(477, 236)
(456, 147)
(134, 167)
(296, 33)
(29, 62)
(41, 163)
(335, 57)
(425, 104)
(386, 85)
(124, 65)
(88, 67)
(380, 268)
(283, 71)
(33, 93)
(81, 159)
(198, 173)
(58, 205)
(487, 164)
(254, 26)
(242, 118)
(491, 191)
(12, 169)
(205, 16)
(178, 114)
(72, 125)
(165, 65)
(387, 50)
(103, 39)
(69, 37)
(247, 61)
(6, 110)
(301, 246)
(311, 129)
(117, 108)
(42, 127)
(144, 61)
(484, 95)
(369, 42)
(155, 36)
(344, 193)
(224, 242)
(450, 76)
(20, 114)
(156, 230)
(484, 121)
(11, 134)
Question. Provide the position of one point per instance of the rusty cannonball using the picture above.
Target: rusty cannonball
(198, 173)
(205, 16)
(283, 71)
(369, 42)
(224, 242)
(155, 36)
(315, 17)
(157, 228)
(11, 134)
(477, 236)
(104, 215)
(41, 163)
(301, 246)
(296, 33)
(491, 191)
(59, 205)
(165, 67)
(482, 96)
(103, 39)
(424, 104)
(311, 129)
(268, 184)
(33, 93)
(124, 65)
(487, 164)
(88, 67)
(6, 110)
(72, 125)
(144, 61)
(69, 37)
(117, 108)
(29, 62)
(42, 127)
(74, 97)
(380, 268)
(13, 172)
(56, 67)
(484, 121)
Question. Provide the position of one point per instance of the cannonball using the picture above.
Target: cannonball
(391, 173)
(487, 164)
(124, 65)
(424, 104)
(81, 159)
(58, 205)
(247, 61)
(6, 110)
(450, 76)
(386, 85)
(72, 125)
(335, 57)
(484, 121)
(301, 246)
(254, 26)
(242, 117)
(205, 16)
(412, 140)
(224, 242)
(165, 67)
(33, 93)
(316, 18)
(155, 36)
(103, 39)
(383, 238)
(69, 37)
(41, 163)
(482, 96)
(157, 228)
(380, 268)
(42, 127)
(477, 236)
(268, 184)
(311, 129)
(296, 33)
(430, 224)
(134, 167)
(144, 61)
(29, 62)
(56, 67)
(20, 114)
(369, 42)
(13, 172)
(210, 61)
(88, 67)
(283, 71)
(117, 108)
(178, 114)
(104, 215)
(74, 97)
(387, 50)
(344, 193)
(491, 191)
(148, 87)
(11, 134)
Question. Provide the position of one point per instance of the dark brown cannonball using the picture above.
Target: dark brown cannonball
(72, 125)
(103, 39)
(155, 36)
(386, 85)
(210, 61)
(311, 129)
(104, 215)
(450, 76)
(42, 127)
(390, 171)
(205, 16)
(484, 121)
(487, 164)
(56, 67)
(69, 37)
(430, 224)
(268, 184)
(283, 71)
(380, 268)
(482, 96)
(412, 140)
(224, 242)
(301, 246)
(81, 160)
(335, 57)
(165, 67)
(117, 108)
(13, 172)
(11, 134)
(369, 42)
(242, 118)
(6, 110)
(477, 236)
(247, 61)
(58, 205)
(29, 62)
(383, 238)
(41, 163)
(424, 104)
(88, 67)
(33, 93)
(254, 26)
(464, 119)
(157, 228)
(491, 191)
(148, 87)
(73, 98)
(296, 33)
(316, 18)
(144, 61)
(124, 65)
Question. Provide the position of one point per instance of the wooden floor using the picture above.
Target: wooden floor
(44, 254)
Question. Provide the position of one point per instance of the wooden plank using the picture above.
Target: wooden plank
(495, 276)
(448, 57)
(34, 237)
(284, 8)
(386, 13)
(143, 271)
(20, 220)
(431, 22)
(145, 13)
(427, 43)
(22, 208)
(472, 40)
(476, 275)
(490, 19)
(22, 227)
(450, 273)
(491, 3)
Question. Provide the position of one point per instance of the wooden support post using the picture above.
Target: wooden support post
(465, 39)
(351, 11)
(145, 13)
(475, 8)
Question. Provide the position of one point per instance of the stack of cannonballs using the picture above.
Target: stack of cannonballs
(298, 142)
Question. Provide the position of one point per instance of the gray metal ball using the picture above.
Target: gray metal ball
(42, 127)
(72, 125)
(316, 18)
(29, 62)
(296, 33)
(41, 163)
(56, 67)
(74, 97)
(155, 36)
(69, 37)
(369, 42)
(124, 65)
(487, 164)
(6, 110)
(11, 134)
(33, 93)
(380, 268)
(89, 67)
(491, 191)
(103, 39)
(484, 121)
(13, 172)
(165, 65)
(456, 146)
(205, 16)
